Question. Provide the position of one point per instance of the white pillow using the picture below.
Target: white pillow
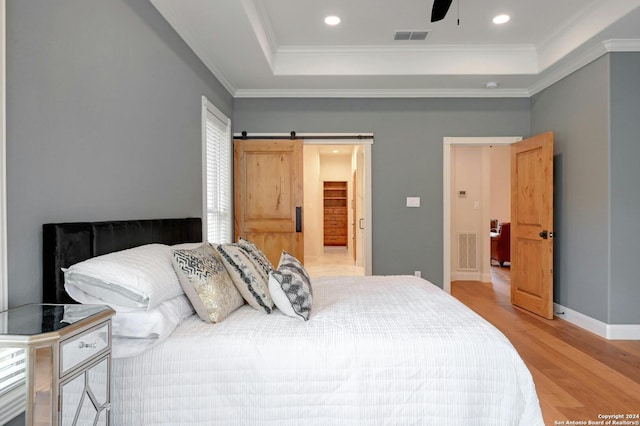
(140, 277)
(157, 323)
(290, 288)
(187, 246)
(154, 323)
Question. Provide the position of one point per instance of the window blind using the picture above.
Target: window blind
(12, 369)
(12, 380)
(217, 174)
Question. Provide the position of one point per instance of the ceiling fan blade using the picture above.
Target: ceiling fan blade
(440, 9)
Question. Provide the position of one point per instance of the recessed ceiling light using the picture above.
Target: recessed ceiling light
(501, 19)
(491, 85)
(335, 151)
(332, 20)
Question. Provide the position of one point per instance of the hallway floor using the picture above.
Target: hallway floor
(335, 261)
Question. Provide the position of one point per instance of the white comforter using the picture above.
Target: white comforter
(392, 350)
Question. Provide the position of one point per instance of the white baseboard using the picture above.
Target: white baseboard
(465, 276)
(470, 276)
(602, 329)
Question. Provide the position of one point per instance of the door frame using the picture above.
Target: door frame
(448, 142)
(342, 139)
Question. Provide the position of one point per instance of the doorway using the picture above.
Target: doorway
(337, 172)
(311, 217)
(480, 235)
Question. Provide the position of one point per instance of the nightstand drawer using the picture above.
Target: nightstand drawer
(83, 347)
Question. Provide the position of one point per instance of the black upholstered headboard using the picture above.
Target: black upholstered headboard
(67, 243)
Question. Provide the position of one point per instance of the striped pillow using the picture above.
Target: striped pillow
(249, 275)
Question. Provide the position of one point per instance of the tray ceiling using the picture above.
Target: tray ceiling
(282, 48)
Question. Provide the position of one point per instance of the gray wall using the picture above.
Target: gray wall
(595, 116)
(576, 109)
(625, 196)
(103, 122)
(406, 159)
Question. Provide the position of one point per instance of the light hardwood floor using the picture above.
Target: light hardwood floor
(579, 376)
(335, 261)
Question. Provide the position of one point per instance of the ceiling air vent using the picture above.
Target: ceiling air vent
(410, 35)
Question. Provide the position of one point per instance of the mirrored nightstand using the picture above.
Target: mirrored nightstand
(67, 363)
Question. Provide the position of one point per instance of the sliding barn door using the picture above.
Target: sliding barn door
(268, 183)
(532, 224)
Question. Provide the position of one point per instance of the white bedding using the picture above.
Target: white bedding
(375, 351)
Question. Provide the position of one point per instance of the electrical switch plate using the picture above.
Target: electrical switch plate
(413, 201)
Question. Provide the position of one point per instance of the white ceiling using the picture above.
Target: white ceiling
(282, 48)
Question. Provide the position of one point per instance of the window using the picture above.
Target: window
(216, 174)
(12, 382)
(12, 360)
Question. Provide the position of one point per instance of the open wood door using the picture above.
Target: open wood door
(268, 183)
(532, 224)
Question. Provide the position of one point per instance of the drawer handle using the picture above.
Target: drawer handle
(87, 345)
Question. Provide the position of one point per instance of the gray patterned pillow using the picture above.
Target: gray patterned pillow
(260, 257)
(290, 288)
(248, 274)
(206, 282)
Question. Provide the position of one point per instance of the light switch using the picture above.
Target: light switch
(476, 205)
(413, 201)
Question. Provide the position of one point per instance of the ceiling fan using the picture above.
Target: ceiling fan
(440, 9)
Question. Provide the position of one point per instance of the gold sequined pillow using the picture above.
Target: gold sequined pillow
(206, 282)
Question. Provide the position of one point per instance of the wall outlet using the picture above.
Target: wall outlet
(417, 273)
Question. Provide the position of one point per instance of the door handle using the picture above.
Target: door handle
(543, 234)
(360, 223)
(298, 219)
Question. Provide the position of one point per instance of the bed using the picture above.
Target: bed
(375, 350)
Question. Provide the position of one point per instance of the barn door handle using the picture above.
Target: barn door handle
(298, 219)
(544, 234)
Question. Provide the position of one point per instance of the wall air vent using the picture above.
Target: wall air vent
(467, 251)
(410, 35)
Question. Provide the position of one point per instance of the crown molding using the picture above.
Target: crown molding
(170, 14)
(382, 93)
(622, 45)
(547, 78)
(591, 20)
(261, 26)
(568, 66)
